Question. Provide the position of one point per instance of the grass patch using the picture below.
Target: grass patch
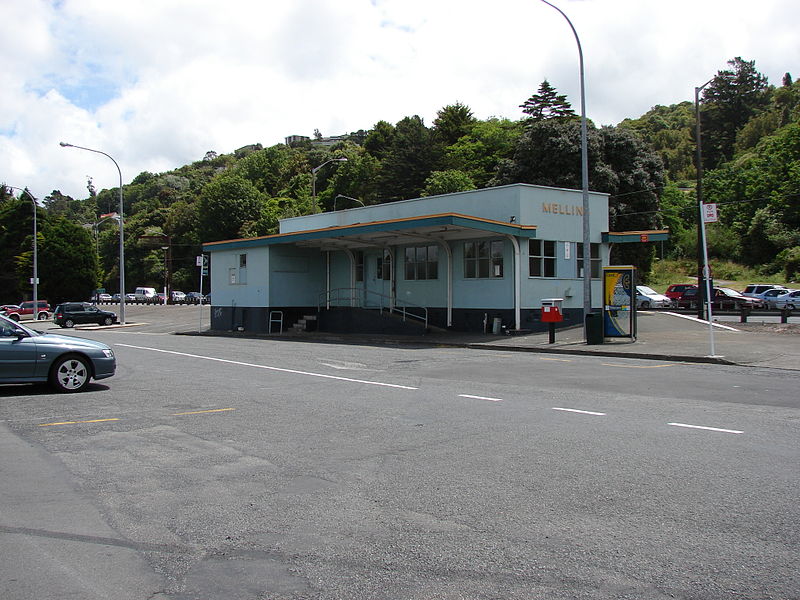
(730, 274)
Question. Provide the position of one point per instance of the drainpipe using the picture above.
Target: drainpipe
(517, 280)
(449, 252)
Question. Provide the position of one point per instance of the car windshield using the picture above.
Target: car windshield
(7, 326)
(643, 289)
(729, 292)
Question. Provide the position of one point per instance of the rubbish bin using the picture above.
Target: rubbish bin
(594, 328)
(497, 323)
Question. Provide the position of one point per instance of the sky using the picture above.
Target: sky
(156, 84)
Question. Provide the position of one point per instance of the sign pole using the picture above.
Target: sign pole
(201, 262)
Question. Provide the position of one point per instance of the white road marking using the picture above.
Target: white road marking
(293, 371)
(480, 398)
(706, 428)
(583, 412)
(696, 320)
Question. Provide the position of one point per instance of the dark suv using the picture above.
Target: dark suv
(70, 314)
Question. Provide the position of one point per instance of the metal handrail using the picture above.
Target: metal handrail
(359, 298)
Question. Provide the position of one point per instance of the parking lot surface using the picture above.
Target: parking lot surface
(282, 467)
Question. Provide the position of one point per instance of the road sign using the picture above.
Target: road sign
(202, 261)
(710, 213)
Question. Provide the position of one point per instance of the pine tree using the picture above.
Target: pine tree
(547, 104)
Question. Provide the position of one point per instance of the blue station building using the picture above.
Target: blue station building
(457, 261)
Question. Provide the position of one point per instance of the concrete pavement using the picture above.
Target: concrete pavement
(660, 336)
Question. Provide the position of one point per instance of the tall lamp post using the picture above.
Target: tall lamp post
(346, 197)
(587, 247)
(35, 279)
(701, 275)
(121, 231)
(314, 178)
(703, 271)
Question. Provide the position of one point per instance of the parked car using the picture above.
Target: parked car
(790, 301)
(162, 298)
(178, 297)
(757, 290)
(67, 363)
(721, 299)
(105, 298)
(676, 290)
(146, 295)
(26, 309)
(770, 296)
(647, 297)
(10, 310)
(194, 298)
(70, 314)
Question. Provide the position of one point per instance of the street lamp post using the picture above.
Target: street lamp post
(121, 231)
(703, 271)
(35, 253)
(699, 190)
(348, 198)
(587, 248)
(314, 179)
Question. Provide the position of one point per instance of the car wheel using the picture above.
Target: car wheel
(645, 304)
(69, 324)
(107, 321)
(14, 317)
(42, 316)
(70, 374)
(790, 307)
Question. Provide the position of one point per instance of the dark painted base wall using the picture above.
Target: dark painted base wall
(255, 319)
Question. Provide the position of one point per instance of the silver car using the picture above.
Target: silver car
(67, 363)
(647, 297)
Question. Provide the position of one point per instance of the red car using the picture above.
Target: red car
(25, 310)
(676, 290)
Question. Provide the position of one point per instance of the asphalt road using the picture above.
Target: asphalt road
(238, 468)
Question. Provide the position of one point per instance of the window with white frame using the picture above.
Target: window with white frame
(242, 278)
(422, 262)
(483, 260)
(596, 262)
(542, 258)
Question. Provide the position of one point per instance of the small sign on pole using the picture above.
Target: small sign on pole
(710, 213)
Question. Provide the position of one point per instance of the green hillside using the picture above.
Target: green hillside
(751, 157)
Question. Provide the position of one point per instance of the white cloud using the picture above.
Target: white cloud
(157, 84)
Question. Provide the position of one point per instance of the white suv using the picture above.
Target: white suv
(757, 290)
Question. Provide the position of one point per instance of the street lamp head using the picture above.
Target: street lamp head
(65, 145)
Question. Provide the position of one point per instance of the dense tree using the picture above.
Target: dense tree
(225, 205)
(447, 182)
(729, 101)
(547, 103)
(67, 261)
(452, 122)
(670, 131)
(483, 149)
(379, 140)
(410, 158)
(16, 240)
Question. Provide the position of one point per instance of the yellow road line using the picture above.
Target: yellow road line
(76, 422)
(200, 412)
(639, 366)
